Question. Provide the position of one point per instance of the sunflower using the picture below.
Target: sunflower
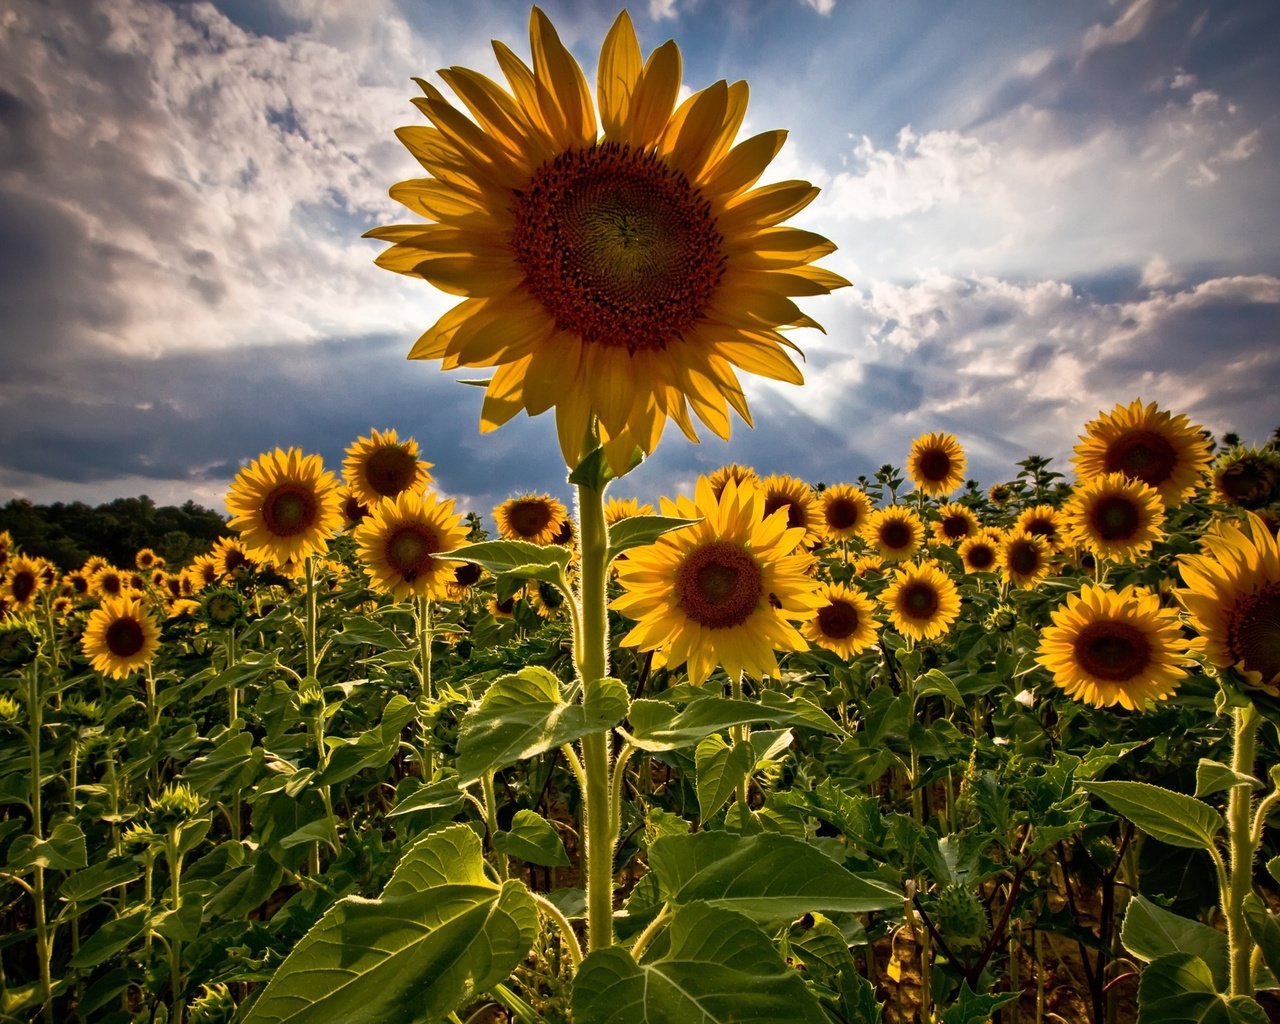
(203, 572)
(724, 591)
(845, 510)
(382, 466)
(77, 583)
(109, 581)
(867, 565)
(1248, 478)
(936, 464)
(618, 509)
(981, 552)
(120, 637)
(1114, 516)
(22, 583)
(544, 598)
(465, 576)
(800, 501)
(352, 508)
(399, 540)
(502, 609)
(1043, 521)
(1024, 558)
(1000, 494)
(624, 276)
(1108, 647)
(146, 560)
(738, 474)
(285, 505)
(922, 601)
(1232, 596)
(895, 532)
(232, 559)
(845, 622)
(955, 523)
(537, 518)
(1144, 443)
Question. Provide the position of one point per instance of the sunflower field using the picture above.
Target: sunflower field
(897, 748)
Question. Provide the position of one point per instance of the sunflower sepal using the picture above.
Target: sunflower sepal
(595, 470)
(639, 531)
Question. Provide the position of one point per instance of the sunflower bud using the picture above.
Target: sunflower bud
(17, 643)
(175, 806)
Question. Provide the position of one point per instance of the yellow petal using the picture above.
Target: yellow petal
(654, 96)
(502, 398)
(618, 73)
(565, 89)
(769, 205)
(745, 163)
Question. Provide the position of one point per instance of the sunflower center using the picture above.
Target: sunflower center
(124, 638)
(1116, 518)
(1144, 455)
(289, 510)
(619, 247)
(955, 527)
(79, 584)
(353, 509)
(1024, 558)
(234, 559)
(933, 465)
(1255, 631)
(918, 600)
(23, 585)
(390, 470)
(111, 585)
(838, 620)
(719, 585)
(981, 556)
(1041, 528)
(409, 550)
(1114, 651)
(529, 518)
(842, 514)
(896, 535)
(467, 574)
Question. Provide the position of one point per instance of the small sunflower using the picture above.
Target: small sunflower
(1248, 478)
(146, 560)
(1024, 558)
(77, 583)
(1145, 443)
(382, 466)
(1043, 521)
(232, 558)
(618, 509)
(936, 464)
(800, 501)
(465, 576)
(502, 609)
(536, 518)
(399, 541)
(868, 565)
(352, 508)
(203, 572)
(285, 505)
(544, 598)
(120, 637)
(922, 601)
(22, 583)
(1232, 597)
(895, 532)
(845, 623)
(108, 581)
(844, 510)
(1108, 647)
(981, 553)
(1114, 516)
(955, 523)
(1000, 494)
(738, 474)
(725, 591)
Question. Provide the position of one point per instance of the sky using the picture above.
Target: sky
(1045, 209)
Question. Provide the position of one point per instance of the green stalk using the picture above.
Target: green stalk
(1241, 850)
(44, 943)
(310, 638)
(740, 734)
(175, 947)
(422, 615)
(491, 823)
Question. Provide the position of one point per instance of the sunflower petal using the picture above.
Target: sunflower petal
(618, 74)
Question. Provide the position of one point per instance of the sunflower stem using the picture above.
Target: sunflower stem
(423, 608)
(1241, 850)
(310, 596)
(740, 734)
(44, 943)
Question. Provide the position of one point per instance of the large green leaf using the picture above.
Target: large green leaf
(233, 763)
(767, 877)
(974, 1008)
(1179, 989)
(641, 530)
(719, 967)
(660, 725)
(517, 558)
(372, 748)
(720, 769)
(1173, 818)
(1150, 932)
(533, 840)
(64, 850)
(522, 715)
(1264, 926)
(440, 934)
(95, 880)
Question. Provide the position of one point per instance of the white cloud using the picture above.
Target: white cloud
(823, 7)
(660, 10)
(1125, 29)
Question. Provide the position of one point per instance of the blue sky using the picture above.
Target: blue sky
(1045, 209)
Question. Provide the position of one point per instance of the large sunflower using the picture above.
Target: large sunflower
(399, 541)
(627, 275)
(382, 466)
(797, 497)
(845, 510)
(285, 505)
(895, 532)
(1114, 516)
(120, 637)
(536, 518)
(922, 601)
(1024, 558)
(936, 464)
(845, 622)
(1233, 599)
(1108, 647)
(725, 591)
(1144, 443)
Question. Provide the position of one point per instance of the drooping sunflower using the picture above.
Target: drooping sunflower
(1043, 521)
(726, 591)
(627, 275)
(1232, 596)
(1024, 558)
(1108, 647)
(285, 506)
(936, 464)
(22, 583)
(955, 523)
(845, 510)
(120, 637)
(732, 471)
(981, 552)
(922, 601)
(1114, 516)
(845, 622)
(536, 518)
(618, 509)
(382, 466)
(399, 541)
(1248, 478)
(798, 498)
(895, 532)
(1144, 443)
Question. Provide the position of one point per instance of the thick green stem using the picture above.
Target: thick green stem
(44, 943)
(310, 638)
(491, 823)
(175, 947)
(740, 734)
(1241, 850)
(422, 608)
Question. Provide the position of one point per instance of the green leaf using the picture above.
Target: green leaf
(435, 797)
(111, 938)
(1214, 777)
(523, 714)
(317, 831)
(440, 933)
(1179, 989)
(64, 850)
(720, 967)
(638, 531)
(1150, 932)
(233, 763)
(1265, 929)
(936, 682)
(767, 876)
(720, 769)
(533, 840)
(371, 749)
(94, 881)
(594, 470)
(516, 558)
(1173, 818)
(182, 924)
(658, 725)
(970, 1008)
